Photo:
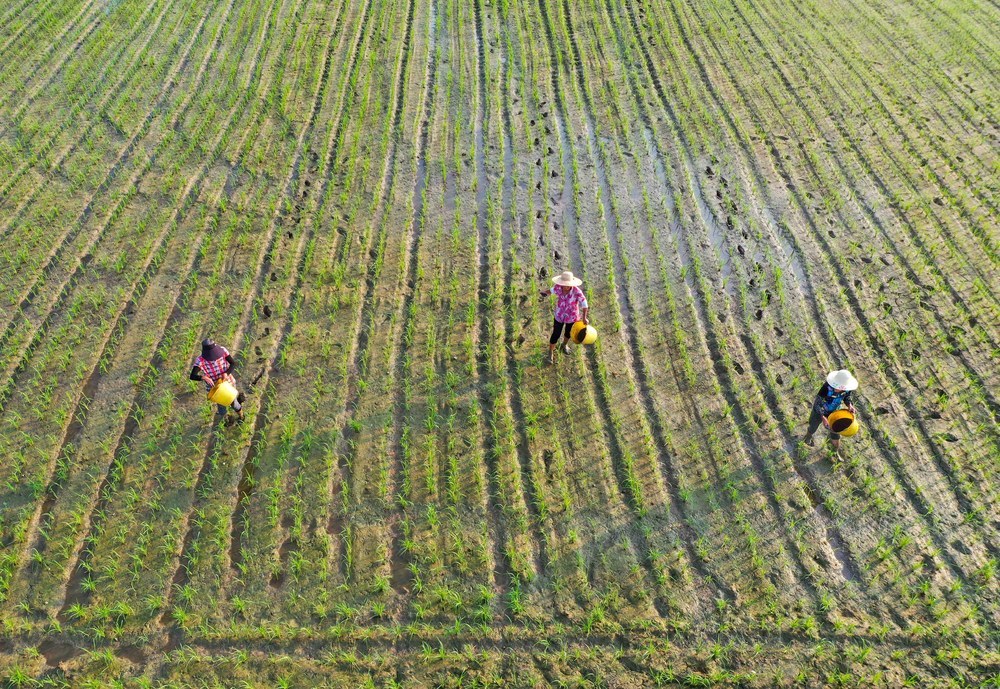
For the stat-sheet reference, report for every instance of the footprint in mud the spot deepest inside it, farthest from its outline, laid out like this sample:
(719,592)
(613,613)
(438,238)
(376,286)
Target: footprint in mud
(274,277)
(547,457)
(267,311)
(739,368)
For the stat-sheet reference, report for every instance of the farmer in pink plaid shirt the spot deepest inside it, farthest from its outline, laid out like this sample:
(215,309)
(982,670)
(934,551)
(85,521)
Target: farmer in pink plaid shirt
(214,364)
(571,306)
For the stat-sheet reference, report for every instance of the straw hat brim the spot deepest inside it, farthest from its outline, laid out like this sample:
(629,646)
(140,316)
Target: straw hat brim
(842,380)
(575,282)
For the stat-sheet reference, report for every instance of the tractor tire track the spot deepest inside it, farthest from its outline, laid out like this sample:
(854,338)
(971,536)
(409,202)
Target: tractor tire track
(618,453)
(530,486)
(401,577)
(505,577)
(365,311)
(248,471)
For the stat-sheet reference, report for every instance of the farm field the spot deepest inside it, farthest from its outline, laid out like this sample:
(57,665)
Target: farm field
(362,199)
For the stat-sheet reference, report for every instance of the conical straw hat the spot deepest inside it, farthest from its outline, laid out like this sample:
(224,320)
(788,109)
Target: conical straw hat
(567,279)
(842,380)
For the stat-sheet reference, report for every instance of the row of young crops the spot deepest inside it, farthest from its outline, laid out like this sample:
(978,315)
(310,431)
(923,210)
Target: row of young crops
(362,198)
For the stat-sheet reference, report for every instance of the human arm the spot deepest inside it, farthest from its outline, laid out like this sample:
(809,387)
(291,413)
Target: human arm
(232,363)
(198,375)
(849,401)
(584,306)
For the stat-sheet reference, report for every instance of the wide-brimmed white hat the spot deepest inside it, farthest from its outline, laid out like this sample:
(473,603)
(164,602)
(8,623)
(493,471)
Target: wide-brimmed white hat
(842,380)
(567,279)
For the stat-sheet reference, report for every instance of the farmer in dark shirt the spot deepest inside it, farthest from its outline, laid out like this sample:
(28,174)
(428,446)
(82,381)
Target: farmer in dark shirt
(836,392)
(214,364)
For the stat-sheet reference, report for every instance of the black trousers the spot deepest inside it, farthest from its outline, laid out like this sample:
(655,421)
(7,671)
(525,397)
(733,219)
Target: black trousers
(556,328)
(815,419)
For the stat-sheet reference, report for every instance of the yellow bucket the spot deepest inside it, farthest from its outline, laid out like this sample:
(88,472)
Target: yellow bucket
(843,422)
(583,334)
(223,392)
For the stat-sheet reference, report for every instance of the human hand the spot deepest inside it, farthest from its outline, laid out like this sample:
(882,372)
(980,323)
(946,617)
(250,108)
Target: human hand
(826,423)
(851,408)
(586,321)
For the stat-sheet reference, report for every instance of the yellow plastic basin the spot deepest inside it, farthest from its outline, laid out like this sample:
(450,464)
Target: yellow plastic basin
(223,392)
(843,422)
(583,334)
